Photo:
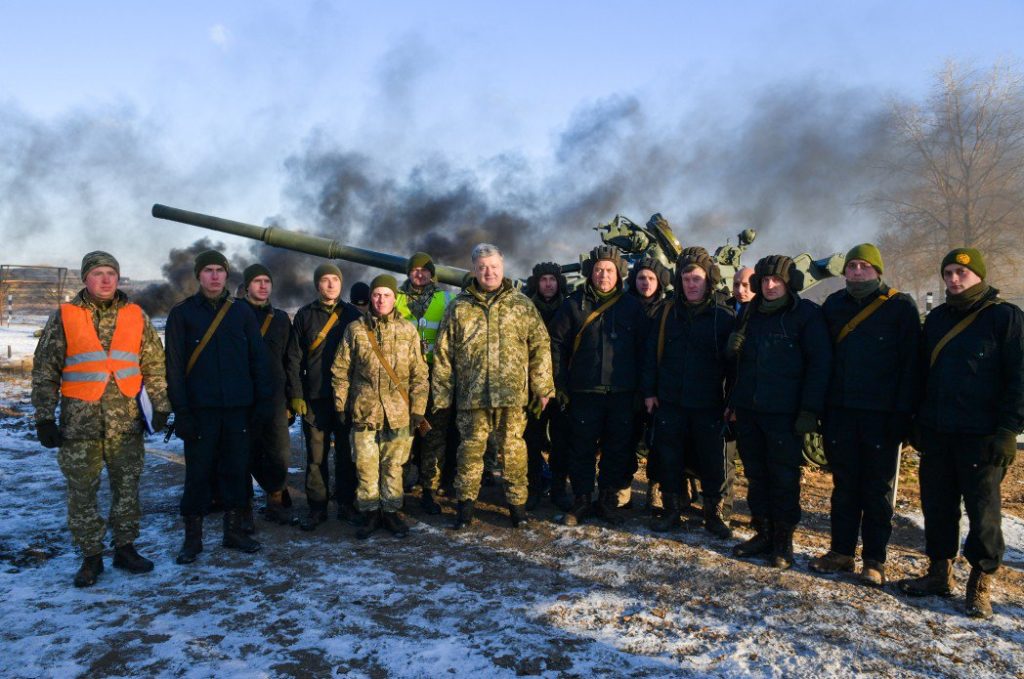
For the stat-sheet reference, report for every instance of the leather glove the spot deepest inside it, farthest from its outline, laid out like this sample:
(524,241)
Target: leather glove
(806,422)
(185,427)
(298,406)
(563,398)
(1003,447)
(48,433)
(734,345)
(159,421)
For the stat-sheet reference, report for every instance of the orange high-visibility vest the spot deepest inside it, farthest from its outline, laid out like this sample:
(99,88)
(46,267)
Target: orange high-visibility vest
(87,367)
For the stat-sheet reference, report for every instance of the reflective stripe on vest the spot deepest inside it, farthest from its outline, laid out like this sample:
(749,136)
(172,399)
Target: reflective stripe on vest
(87,367)
(431,321)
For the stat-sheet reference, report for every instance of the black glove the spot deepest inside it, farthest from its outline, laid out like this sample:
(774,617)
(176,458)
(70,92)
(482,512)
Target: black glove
(1003,447)
(185,426)
(159,421)
(806,422)
(734,345)
(48,433)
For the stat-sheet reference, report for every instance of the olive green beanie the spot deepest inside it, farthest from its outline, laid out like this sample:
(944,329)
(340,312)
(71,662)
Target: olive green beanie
(254,270)
(421,259)
(969,258)
(210,257)
(325,269)
(867,252)
(384,281)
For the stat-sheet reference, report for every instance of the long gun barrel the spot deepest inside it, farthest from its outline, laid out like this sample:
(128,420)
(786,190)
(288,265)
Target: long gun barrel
(301,242)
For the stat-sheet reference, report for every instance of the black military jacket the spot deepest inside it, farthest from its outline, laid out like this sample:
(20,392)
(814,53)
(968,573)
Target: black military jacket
(315,366)
(875,367)
(786,359)
(977,382)
(693,367)
(282,354)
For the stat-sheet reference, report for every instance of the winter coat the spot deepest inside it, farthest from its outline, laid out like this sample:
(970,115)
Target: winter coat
(315,366)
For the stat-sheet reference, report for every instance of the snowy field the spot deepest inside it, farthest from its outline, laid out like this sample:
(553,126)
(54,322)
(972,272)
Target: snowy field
(489,602)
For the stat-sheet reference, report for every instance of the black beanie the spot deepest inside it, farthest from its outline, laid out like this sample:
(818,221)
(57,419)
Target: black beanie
(325,269)
(205,259)
(360,293)
(254,270)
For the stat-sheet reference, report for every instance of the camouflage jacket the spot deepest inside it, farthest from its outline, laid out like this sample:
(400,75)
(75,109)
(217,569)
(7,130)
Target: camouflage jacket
(492,351)
(114,414)
(362,385)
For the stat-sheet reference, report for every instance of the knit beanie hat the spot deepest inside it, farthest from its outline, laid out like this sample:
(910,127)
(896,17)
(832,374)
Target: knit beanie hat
(420,259)
(254,270)
(969,258)
(384,281)
(867,252)
(99,258)
(208,258)
(360,293)
(325,269)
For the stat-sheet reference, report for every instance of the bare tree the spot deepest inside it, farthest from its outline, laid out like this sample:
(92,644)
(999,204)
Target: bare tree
(956,178)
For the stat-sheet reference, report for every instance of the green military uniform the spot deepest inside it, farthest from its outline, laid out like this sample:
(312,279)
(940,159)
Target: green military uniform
(493,352)
(424,308)
(97,433)
(377,408)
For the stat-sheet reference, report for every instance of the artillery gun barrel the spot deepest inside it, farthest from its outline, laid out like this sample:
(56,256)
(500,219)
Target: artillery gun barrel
(301,242)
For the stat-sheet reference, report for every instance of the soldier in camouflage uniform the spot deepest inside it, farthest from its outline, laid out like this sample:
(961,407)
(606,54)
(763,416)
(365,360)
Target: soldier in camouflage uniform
(493,352)
(382,414)
(100,421)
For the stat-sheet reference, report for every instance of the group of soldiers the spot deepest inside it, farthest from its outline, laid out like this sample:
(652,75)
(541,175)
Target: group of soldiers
(636,358)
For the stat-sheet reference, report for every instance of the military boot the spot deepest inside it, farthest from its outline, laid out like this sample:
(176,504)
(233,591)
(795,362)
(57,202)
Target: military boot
(463,515)
(873,573)
(672,507)
(760,543)
(714,522)
(533,501)
(234,536)
(782,545)
(938,580)
(393,522)
(315,515)
(978,586)
(582,507)
(89,571)
(370,524)
(518,515)
(276,510)
(248,522)
(193,540)
(348,513)
(127,559)
(832,562)
(607,507)
(560,497)
(428,504)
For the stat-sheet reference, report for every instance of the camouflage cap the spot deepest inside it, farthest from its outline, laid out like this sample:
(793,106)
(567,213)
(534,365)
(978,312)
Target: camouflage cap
(99,258)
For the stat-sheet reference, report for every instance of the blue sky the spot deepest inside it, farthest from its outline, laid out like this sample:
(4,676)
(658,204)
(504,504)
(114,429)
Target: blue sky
(216,97)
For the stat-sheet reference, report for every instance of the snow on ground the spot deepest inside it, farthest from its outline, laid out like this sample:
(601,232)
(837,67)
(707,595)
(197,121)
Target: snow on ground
(490,602)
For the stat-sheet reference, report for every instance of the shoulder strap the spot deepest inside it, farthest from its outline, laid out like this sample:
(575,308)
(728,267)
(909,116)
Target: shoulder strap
(387,366)
(863,314)
(661,328)
(322,335)
(266,323)
(208,335)
(594,315)
(957,329)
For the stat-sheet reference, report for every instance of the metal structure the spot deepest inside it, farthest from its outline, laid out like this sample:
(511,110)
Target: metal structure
(30,289)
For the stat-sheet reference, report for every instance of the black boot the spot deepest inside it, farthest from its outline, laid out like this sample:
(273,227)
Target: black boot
(127,559)
(348,513)
(371,524)
(581,508)
(518,515)
(277,511)
(782,546)
(607,507)
(937,581)
(463,515)
(89,571)
(234,536)
(533,501)
(393,522)
(428,504)
(671,508)
(761,543)
(248,523)
(560,497)
(315,515)
(714,521)
(193,540)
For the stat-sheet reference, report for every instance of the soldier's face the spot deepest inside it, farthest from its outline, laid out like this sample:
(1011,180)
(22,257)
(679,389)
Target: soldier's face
(382,300)
(101,282)
(605,275)
(695,284)
(329,286)
(958,278)
(858,271)
(420,276)
(772,287)
(646,283)
(489,272)
(259,289)
(547,286)
(212,279)
(741,286)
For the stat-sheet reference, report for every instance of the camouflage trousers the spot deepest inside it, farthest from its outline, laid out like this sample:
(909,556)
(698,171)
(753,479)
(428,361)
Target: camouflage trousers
(432,449)
(379,455)
(82,463)
(506,425)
